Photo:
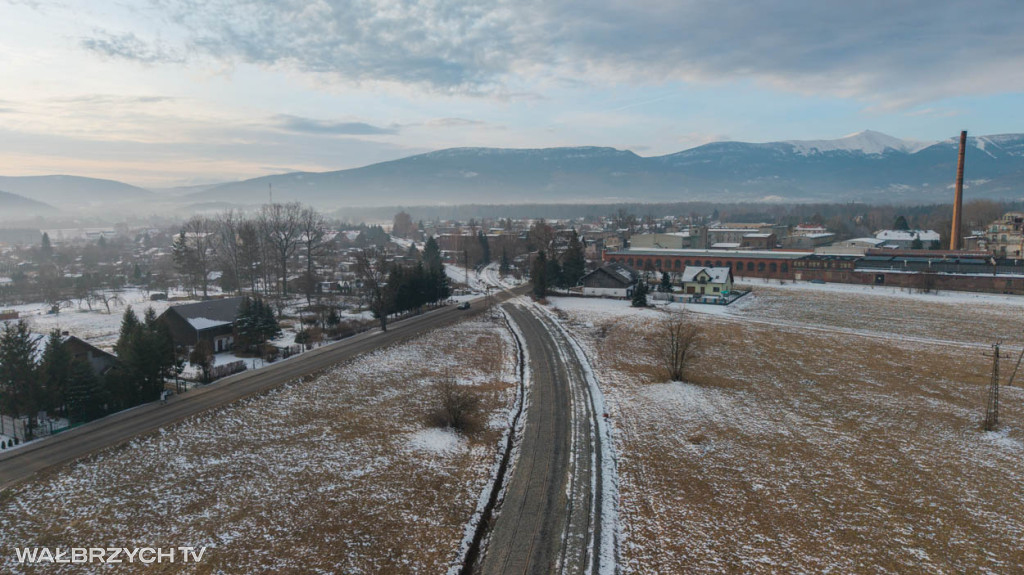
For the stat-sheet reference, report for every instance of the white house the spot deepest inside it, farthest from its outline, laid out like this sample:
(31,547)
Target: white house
(706,281)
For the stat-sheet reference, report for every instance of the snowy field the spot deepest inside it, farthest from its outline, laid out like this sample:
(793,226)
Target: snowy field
(820,441)
(96,326)
(337,473)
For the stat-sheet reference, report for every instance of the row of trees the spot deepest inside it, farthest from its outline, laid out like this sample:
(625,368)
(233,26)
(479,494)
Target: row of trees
(393,288)
(560,271)
(257,252)
(40,374)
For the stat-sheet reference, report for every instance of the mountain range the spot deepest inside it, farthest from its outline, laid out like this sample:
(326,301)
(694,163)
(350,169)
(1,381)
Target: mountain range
(13,205)
(866,167)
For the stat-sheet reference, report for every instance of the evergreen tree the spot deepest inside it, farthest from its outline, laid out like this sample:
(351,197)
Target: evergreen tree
(666,282)
(146,358)
(574,264)
(19,382)
(539,275)
(55,374)
(900,223)
(46,249)
(504,268)
(332,318)
(917,244)
(485,248)
(432,256)
(553,274)
(86,393)
(268,326)
(245,324)
(640,294)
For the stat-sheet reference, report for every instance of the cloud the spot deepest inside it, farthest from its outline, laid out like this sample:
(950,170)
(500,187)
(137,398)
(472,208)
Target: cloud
(131,47)
(319,127)
(892,54)
(453,122)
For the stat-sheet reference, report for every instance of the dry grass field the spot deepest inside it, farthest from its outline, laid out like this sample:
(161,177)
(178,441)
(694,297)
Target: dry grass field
(843,438)
(335,474)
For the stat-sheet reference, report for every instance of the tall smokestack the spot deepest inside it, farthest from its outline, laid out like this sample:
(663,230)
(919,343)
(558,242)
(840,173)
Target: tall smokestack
(958,200)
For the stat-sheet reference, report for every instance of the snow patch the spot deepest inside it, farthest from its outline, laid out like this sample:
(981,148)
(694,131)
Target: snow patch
(440,441)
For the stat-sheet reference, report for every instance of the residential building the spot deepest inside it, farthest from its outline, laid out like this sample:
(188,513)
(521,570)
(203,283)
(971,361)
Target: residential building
(609,280)
(211,320)
(699,280)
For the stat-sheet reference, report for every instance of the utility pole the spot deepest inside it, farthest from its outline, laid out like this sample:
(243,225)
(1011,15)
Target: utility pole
(992,399)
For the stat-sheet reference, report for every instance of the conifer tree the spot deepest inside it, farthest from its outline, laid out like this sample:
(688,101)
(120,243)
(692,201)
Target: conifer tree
(55,373)
(19,382)
(86,393)
(574,262)
(504,268)
(539,275)
(640,294)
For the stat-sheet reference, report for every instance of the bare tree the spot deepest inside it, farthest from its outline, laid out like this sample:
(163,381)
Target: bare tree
(314,230)
(228,246)
(281,226)
(193,252)
(371,268)
(106,298)
(678,339)
(250,251)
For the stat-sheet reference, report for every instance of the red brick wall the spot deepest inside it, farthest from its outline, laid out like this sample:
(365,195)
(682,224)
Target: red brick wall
(758,267)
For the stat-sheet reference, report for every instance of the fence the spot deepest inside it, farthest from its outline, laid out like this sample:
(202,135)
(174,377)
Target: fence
(227,369)
(18,427)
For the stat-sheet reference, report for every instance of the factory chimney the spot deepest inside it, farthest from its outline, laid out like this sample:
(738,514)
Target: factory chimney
(955,238)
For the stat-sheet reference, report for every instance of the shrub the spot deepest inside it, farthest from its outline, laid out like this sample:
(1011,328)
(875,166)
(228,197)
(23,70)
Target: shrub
(455,406)
(269,353)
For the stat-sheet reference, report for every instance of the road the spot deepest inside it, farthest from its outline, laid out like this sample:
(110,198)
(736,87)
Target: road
(547,520)
(22,463)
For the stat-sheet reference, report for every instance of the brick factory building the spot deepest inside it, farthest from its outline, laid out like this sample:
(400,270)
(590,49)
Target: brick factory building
(774,264)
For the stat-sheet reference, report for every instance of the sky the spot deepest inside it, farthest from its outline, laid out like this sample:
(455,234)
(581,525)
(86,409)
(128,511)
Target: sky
(163,93)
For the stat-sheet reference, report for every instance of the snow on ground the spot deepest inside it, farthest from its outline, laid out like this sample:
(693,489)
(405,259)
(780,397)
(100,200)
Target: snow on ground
(439,441)
(458,275)
(492,277)
(97,326)
(315,477)
(944,318)
(942,296)
(803,447)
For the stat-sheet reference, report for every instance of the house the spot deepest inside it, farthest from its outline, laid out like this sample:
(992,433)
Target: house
(212,320)
(100,361)
(703,280)
(609,280)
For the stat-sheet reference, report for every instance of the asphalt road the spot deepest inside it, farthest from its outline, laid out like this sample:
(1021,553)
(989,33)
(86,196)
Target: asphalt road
(22,463)
(546,521)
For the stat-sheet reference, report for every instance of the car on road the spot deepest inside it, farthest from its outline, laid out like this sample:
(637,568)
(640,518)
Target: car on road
(464,305)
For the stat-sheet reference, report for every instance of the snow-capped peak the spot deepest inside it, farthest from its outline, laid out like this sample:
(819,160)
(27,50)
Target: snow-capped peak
(867,142)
